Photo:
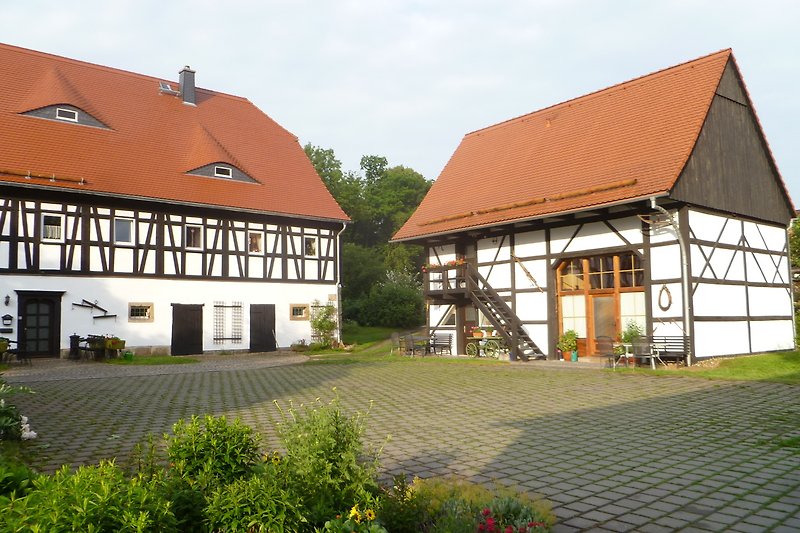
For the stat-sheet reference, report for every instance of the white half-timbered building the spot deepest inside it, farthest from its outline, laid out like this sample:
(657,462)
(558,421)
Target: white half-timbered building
(655,201)
(177,218)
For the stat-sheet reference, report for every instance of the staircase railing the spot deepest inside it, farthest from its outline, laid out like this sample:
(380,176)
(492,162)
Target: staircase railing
(500,315)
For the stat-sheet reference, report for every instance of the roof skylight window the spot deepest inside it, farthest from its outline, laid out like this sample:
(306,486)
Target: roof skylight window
(223,172)
(66,114)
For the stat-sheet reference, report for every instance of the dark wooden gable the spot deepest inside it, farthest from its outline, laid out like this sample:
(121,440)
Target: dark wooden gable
(730,168)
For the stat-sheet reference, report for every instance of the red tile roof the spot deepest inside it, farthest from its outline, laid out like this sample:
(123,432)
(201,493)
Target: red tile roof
(153,141)
(626,142)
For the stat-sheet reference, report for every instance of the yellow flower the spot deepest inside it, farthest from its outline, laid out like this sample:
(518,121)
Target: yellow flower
(355,514)
(369,514)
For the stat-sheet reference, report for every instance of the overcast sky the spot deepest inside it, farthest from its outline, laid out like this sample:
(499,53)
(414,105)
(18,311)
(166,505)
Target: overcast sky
(407,79)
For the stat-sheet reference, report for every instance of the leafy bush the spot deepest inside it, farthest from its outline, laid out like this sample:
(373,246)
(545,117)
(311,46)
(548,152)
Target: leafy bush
(258,503)
(211,451)
(456,505)
(11,422)
(94,498)
(397,301)
(324,463)
(403,509)
(15,477)
(323,323)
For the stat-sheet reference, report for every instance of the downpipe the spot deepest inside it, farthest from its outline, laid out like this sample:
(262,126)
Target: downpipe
(684,273)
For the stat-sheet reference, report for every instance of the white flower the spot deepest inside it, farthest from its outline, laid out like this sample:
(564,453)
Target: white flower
(27,435)
(23,420)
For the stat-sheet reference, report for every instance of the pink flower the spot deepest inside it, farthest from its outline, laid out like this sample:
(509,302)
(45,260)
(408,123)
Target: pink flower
(486,511)
(509,529)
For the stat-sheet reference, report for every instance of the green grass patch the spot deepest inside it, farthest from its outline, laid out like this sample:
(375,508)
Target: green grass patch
(778,367)
(153,360)
(353,334)
(381,352)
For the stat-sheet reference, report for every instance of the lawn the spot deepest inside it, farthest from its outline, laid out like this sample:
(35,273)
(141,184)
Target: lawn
(778,367)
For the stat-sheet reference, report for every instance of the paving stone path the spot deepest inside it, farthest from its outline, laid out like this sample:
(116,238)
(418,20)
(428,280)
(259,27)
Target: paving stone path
(611,451)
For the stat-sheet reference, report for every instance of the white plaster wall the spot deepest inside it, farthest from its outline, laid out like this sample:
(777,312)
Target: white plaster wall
(672,328)
(437,313)
(446,252)
(114,294)
(674,310)
(532,306)
(491,250)
(772,335)
(665,262)
(719,300)
(767,268)
(498,276)
(538,334)
(537,268)
(765,237)
(720,338)
(770,301)
(630,228)
(590,237)
(529,244)
(708,227)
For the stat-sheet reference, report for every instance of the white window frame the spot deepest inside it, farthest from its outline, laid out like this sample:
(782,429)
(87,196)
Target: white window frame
(61,227)
(149,316)
(186,229)
(132,227)
(313,239)
(73,114)
(221,171)
(306,314)
(261,242)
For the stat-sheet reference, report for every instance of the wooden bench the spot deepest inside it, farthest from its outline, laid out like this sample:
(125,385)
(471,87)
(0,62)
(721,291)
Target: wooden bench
(441,342)
(671,347)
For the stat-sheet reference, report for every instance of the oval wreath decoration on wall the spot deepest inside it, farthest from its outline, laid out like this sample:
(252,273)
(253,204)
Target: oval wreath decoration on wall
(664,292)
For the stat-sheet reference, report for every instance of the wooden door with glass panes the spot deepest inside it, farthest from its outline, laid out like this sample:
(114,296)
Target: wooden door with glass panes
(598,295)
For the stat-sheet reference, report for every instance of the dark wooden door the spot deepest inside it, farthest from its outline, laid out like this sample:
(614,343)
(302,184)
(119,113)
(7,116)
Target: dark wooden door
(262,328)
(187,329)
(40,324)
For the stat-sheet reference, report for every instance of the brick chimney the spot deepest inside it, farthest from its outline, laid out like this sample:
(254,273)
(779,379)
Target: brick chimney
(187,86)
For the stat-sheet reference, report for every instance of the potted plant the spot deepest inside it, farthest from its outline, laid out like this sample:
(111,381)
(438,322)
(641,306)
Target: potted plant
(568,344)
(477,332)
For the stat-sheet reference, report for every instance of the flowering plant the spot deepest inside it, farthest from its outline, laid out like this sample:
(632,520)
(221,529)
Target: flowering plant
(490,524)
(356,521)
(452,263)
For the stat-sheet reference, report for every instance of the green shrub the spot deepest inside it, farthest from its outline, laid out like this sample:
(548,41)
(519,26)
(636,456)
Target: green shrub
(403,509)
(323,323)
(456,505)
(15,477)
(211,451)
(255,504)
(94,499)
(10,419)
(396,301)
(324,460)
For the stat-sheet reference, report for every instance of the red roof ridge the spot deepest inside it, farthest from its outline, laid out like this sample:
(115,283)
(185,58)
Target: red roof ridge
(105,68)
(610,88)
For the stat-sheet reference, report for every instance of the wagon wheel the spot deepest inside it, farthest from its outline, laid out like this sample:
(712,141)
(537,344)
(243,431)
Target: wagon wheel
(472,349)
(491,349)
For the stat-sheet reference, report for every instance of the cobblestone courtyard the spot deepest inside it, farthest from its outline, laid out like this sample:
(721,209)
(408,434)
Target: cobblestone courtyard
(611,451)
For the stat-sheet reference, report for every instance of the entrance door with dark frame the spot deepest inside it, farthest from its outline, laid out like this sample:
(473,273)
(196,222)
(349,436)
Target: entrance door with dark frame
(39,323)
(187,329)
(262,328)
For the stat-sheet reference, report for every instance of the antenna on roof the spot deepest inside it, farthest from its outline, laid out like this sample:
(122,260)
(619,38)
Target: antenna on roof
(166,88)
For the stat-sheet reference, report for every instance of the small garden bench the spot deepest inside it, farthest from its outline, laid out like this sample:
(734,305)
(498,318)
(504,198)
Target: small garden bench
(441,342)
(671,347)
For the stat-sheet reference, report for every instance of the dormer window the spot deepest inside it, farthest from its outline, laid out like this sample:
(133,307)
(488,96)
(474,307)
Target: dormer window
(66,114)
(223,172)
